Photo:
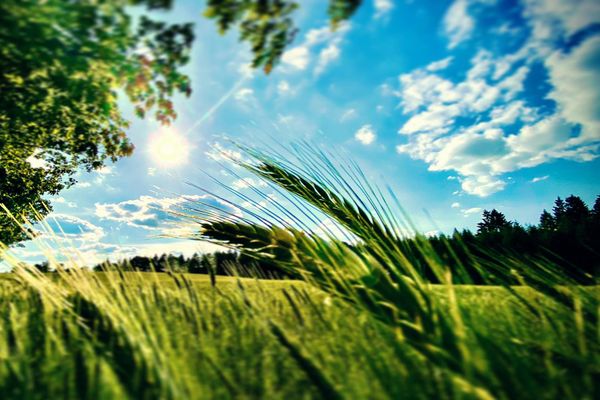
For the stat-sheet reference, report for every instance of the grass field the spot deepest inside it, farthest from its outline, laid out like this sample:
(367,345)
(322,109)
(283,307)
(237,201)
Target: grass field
(360,320)
(141,335)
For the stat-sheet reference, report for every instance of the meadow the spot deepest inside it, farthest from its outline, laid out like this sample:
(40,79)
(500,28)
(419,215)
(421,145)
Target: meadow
(142,335)
(333,291)
(356,319)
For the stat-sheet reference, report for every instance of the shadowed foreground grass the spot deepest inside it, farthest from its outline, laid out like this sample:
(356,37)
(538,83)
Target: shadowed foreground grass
(140,335)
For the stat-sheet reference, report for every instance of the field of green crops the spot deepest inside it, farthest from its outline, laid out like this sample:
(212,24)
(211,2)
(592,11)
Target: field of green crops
(360,320)
(144,336)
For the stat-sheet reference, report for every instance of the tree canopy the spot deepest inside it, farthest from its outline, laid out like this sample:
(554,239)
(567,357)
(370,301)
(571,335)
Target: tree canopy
(493,221)
(267,24)
(64,64)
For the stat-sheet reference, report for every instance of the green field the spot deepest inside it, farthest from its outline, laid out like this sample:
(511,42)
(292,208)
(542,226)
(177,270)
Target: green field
(143,335)
(362,318)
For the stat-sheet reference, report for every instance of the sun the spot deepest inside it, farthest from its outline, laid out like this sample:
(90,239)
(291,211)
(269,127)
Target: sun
(168,148)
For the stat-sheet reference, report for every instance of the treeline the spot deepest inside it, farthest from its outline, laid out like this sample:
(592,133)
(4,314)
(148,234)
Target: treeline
(568,236)
(217,263)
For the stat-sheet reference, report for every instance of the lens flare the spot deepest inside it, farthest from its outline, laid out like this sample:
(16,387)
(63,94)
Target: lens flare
(168,148)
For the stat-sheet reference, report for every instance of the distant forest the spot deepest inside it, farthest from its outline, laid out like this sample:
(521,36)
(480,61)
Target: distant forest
(568,236)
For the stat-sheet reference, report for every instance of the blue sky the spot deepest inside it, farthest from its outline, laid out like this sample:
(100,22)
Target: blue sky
(457,105)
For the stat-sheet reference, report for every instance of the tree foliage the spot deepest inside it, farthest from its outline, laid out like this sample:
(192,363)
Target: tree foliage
(64,64)
(568,237)
(216,263)
(267,24)
(493,221)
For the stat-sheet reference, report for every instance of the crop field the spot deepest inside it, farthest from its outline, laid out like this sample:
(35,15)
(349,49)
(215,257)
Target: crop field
(144,335)
(359,318)
(335,200)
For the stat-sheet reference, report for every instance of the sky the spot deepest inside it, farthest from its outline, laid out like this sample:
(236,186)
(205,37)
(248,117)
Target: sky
(458,106)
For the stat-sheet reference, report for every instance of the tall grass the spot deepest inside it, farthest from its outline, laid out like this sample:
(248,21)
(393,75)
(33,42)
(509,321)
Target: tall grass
(359,320)
(376,276)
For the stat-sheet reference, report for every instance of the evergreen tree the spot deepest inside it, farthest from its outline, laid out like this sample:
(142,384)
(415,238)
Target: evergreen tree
(576,211)
(493,221)
(596,209)
(195,265)
(595,222)
(207,261)
(558,210)
(140,263)
(547,221)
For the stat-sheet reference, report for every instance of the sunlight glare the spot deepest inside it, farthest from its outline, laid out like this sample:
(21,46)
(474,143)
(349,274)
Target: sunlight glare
(168,148)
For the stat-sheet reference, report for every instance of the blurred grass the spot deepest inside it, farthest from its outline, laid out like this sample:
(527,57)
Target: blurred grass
(145,335)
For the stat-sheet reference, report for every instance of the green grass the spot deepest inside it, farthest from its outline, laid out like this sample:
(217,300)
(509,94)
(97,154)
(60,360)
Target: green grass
(141,335)
(357,321)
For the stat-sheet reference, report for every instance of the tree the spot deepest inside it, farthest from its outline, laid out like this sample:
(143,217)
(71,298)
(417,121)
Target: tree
(547,221)
(558,210)
(596,209)
(195,266)
(595,222)
(576,211)
(140,263)
(63,64)
(492,221)
(267,25)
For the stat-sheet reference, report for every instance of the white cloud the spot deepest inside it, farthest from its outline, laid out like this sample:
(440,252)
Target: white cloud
(59,225)
(383,8)
(298,57)
(458,23)
(36,162)
(471,211)
(151,171)
(246,70)
(540,178)
(366,135)
(575,77)
(284,88)
(551,19)
(327,56)
(222,154)
(440,64)
(285,119)
(106,170)
(92,253)
(432,233)
(325,41)
(507,134)
(246,183)
(348,115)
(483,185)
(244,95)
(318,36)
(455,205)
(153,213)
(330,229)
(185,247)
(62,200)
